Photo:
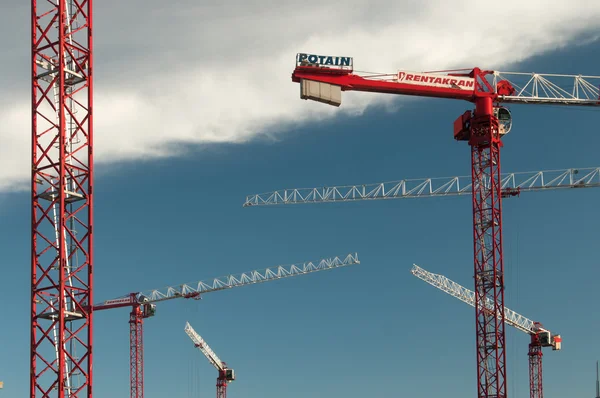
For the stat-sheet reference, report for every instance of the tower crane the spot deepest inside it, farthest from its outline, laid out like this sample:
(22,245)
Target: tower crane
(322,78)
(143,303)
(226,375)
(540,337)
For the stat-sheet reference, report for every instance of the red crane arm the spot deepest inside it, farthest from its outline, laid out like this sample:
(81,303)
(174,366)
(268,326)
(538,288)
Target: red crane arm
(323,78)
(463,86)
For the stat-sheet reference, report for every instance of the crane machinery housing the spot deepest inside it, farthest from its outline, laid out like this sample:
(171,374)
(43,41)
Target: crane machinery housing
(142,303)
(226,374)
(540,337)
(323,78)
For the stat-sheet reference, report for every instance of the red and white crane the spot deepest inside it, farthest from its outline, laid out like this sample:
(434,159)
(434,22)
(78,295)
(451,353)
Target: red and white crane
(323,78)
(540,337)
(142,303)
(226,375)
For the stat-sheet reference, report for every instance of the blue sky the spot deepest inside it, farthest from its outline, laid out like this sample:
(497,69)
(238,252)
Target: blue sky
(366,330)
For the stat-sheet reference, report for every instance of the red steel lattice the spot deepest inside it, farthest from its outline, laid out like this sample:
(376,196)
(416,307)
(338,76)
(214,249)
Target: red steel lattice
(535,368)
(489,272)
(136,356)
(61,186)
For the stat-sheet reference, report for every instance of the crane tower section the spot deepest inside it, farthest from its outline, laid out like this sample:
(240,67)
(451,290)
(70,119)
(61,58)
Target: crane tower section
(61,189)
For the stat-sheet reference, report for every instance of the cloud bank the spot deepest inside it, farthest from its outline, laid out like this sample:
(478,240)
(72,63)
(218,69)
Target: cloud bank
(179,73)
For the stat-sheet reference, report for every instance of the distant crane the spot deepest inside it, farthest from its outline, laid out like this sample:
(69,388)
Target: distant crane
(323,78)
(143,307)
(226,375)
(540,337)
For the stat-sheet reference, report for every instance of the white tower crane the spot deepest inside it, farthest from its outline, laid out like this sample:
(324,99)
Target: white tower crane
(226,375)
(540,337)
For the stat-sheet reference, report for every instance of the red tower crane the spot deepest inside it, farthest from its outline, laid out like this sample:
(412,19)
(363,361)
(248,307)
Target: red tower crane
(61,199)
(143,303)
(323,78)
(226,375)
(540,337)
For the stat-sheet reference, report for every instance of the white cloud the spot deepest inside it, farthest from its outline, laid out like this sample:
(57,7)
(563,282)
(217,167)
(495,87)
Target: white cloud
(221,72)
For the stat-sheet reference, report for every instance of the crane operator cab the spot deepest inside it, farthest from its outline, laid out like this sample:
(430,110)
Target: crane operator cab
(504,119)
(229,375)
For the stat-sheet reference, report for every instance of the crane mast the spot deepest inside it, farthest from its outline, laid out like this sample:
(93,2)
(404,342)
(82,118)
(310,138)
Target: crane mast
(142,303)
(323,78)
(62,200)
(540,337)
(225,374)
